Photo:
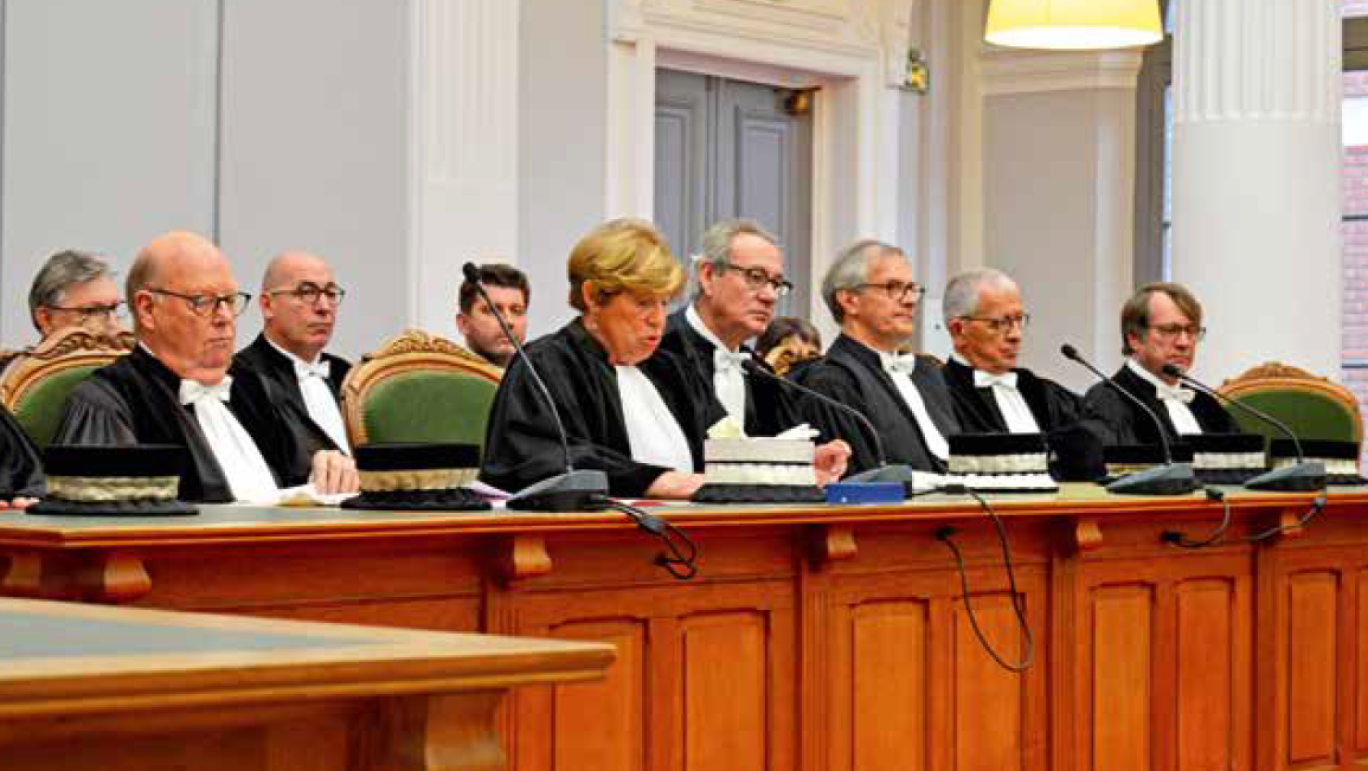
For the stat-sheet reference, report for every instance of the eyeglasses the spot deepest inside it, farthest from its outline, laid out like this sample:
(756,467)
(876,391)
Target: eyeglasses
(757,279)
(897,290)
(207,304)
(998,326)
(311,293)
(116,310)
(1170,331)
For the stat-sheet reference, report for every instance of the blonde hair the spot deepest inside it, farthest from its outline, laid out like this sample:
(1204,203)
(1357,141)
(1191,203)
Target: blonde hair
(623,255)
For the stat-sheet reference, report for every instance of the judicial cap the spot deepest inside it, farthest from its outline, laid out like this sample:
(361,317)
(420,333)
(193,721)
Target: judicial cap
(413,476)
(103,480)
(1341,459)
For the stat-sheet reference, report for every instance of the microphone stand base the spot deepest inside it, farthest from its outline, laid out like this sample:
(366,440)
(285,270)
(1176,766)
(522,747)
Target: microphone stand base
(900,473)
(1300,478)
(1169,479)
(579,490)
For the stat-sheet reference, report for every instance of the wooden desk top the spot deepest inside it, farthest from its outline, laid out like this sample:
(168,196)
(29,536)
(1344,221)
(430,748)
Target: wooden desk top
(234,523)
(66,658)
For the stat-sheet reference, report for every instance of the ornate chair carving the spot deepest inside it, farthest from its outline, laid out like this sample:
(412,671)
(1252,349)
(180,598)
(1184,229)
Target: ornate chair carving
(36,384)
(419,388)
(1312,406)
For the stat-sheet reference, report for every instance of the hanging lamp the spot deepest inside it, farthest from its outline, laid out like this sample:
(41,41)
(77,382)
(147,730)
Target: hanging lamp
(1073,24)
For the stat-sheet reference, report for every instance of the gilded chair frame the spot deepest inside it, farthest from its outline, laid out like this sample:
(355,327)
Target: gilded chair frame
(66,349)
(1277,376)
(414,350)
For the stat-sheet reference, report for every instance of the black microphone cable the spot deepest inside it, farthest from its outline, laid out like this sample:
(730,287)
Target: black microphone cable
(1317,505)
(1215,538)
(680,551)
(943,535)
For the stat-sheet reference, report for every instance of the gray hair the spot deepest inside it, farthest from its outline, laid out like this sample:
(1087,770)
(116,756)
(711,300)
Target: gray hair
(62,271)
(717,244)
(962,293)
(851,269)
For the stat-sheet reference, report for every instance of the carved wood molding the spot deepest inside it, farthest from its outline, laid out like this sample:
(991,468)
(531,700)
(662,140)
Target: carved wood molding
(524,556)
(66,349)
(95,577)
(834,543)
(1087,534)
(1277,376)
(114,577)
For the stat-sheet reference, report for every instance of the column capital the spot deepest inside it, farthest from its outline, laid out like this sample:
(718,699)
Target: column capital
(1030,72)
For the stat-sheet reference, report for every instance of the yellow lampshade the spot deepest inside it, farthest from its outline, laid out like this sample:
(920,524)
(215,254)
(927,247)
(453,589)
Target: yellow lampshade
(1073,24)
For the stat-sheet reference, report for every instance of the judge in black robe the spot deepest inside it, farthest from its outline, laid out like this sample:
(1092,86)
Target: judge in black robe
(136,400)
(1052,405)
(21,472)
(522,445)
(852,373)
(266,374)
(770,406)
(1123,423)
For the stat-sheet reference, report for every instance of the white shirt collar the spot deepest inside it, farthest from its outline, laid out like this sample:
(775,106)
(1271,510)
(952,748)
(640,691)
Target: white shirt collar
(696,321)
(1146,375)
(291,356)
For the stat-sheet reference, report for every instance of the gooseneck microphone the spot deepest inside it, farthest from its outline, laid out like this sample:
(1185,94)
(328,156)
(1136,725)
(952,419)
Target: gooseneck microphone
(883,472)
(1168,479)
(574,490)
(1301,477)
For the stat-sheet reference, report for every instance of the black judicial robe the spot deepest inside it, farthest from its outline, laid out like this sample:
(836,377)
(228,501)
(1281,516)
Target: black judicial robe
(21,472)
(1053,406)
(265,373)
(770,407)
(521,443)
(1120,422)
(136,400)
(851,373)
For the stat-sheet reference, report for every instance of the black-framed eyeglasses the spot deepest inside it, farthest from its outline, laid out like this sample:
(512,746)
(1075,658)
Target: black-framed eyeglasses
(757,279)
(311,293)
(1002,324)
(207,304)
(117,310)
(1171,331)
(897,290)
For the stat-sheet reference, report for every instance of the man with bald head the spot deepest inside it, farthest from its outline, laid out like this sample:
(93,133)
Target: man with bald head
(174,387)
(287,364)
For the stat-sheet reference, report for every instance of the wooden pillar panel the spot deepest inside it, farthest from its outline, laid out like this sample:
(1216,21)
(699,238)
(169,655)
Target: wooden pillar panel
(1212,688)
(990,702)
(1120,638)
(725,674)
(1361,666)
(1312,675)
(601,725)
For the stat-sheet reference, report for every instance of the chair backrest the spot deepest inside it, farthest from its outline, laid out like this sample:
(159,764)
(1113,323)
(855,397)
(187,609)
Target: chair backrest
(37,382)
(419,388)
(1312,406)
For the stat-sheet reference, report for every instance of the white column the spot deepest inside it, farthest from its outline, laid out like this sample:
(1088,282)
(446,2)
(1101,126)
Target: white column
(464,163)
(1256,149)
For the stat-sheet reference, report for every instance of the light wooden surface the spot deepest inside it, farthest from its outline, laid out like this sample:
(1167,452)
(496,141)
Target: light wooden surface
(85,686)
(824,638)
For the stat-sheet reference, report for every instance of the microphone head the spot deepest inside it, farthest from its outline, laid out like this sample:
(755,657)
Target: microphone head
(472,273)
(1069,351)
(1172,370)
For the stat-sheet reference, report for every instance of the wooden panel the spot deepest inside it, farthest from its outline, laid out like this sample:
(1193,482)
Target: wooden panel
(886,684)
(988,702)
(725,674)
(1311,675)
(1122,673)
(1206,674)
(1361,656)
(598,725)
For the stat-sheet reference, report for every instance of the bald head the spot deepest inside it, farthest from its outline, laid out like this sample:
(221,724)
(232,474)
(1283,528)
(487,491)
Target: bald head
(299,301)
(178,251)
(284,266)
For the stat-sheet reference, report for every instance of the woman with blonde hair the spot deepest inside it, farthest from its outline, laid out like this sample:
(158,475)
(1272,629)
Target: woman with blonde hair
(632,412)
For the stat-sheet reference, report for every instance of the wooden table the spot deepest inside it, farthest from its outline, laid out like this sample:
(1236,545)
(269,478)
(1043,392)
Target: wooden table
(824,638)
(86,687)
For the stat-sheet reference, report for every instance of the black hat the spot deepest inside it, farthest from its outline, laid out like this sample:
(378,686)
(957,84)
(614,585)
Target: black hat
(1123,459)
(1341,459)
(417,477)
(1227,459)
(758,470)
(1002,462)
(105,480)
(1076,454)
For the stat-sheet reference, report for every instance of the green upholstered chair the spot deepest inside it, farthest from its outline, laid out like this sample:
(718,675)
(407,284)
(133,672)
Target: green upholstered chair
(419,388)
(37,382)
(1312,406)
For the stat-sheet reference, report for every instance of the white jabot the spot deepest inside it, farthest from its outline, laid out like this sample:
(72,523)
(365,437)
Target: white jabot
(729,379)
(1174,398)
(1010,402)
(318,397)
(248,475)
(652,431)
(900,367)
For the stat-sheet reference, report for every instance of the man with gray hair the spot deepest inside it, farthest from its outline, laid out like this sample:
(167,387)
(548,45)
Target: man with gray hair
(75,289)
(739,278)
(987,322)
(872,295)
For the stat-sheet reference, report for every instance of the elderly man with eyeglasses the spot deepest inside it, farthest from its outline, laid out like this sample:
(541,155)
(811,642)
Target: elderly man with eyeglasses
(174,388)
(1160,324)
(75,289)
(987,323)
(871,293)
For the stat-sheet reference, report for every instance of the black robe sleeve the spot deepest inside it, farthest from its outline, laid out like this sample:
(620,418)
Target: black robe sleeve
(21,473)
(833,423)
(522,445)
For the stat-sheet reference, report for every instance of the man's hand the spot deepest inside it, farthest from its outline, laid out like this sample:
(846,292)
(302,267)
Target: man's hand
(333,472)
(830,461)
(17,504)
(675,485)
